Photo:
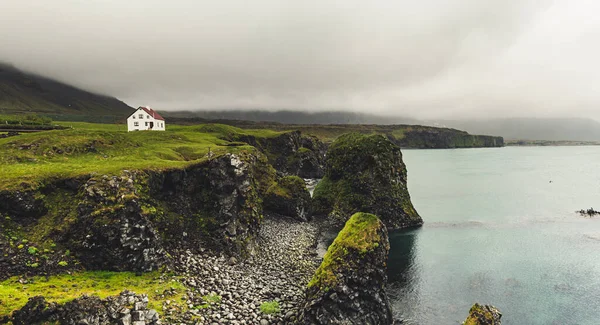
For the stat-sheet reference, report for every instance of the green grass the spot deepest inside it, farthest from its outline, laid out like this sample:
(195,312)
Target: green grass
(88,148)
(270,307)
(65,287)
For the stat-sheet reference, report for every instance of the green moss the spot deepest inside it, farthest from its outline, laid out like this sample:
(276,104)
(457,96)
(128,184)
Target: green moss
(286,186)
(270,307)
(359,236)
(63,288)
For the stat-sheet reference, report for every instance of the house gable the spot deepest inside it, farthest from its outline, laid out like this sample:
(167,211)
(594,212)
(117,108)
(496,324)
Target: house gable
(145,118)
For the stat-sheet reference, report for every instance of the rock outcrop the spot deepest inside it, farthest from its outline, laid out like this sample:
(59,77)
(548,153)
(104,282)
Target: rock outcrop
(483,315)
(349,286)
(365,173)
(127,308)
(289,197)
(112,231)
(292,153)
(129,222)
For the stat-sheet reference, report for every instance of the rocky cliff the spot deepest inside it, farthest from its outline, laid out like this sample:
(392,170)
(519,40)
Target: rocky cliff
(348,287)
(129,222)
(291,153)
(441,138)
(289,197)
(365,173)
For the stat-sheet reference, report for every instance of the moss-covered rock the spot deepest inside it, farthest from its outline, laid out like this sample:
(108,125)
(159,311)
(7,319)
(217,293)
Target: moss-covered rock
(289,197)
(291,153)
(349,285)
(483,315)
(365,173)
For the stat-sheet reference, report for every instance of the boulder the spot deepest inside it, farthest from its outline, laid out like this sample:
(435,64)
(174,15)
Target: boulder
(365,173)
(289,197)
(349,285)
(483,315)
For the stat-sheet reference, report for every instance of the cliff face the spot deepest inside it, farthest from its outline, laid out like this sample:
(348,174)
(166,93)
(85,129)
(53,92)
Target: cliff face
(365,173)
(349,286)
(129,222)
(289,197)
(433,138)
(292,153)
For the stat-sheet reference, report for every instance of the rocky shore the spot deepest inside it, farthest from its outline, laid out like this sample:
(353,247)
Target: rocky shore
(279,272)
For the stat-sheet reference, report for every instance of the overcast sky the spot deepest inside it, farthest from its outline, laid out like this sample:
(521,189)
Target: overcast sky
(425,59)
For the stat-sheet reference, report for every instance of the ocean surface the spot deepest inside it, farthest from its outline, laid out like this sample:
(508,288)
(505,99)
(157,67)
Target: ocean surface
(501,229)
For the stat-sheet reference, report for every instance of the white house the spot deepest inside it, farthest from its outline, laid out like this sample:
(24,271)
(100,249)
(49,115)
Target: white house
(145,118)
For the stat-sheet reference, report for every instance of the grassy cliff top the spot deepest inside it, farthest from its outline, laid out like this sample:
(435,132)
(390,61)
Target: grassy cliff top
(359,236)
(87,148)
(66,287)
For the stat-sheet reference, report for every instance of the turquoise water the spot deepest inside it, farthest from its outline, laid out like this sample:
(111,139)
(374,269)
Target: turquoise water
(500,229)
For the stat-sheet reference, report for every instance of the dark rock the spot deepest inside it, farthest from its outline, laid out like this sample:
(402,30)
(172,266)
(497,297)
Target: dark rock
(349,286)
(24,204)
(483,315)
(289,197)
(35,311)
(292,153)
(112,232)
(365,173)
(588,213)
(219,202)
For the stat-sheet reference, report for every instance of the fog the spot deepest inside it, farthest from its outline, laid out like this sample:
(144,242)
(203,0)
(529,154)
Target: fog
(423,59)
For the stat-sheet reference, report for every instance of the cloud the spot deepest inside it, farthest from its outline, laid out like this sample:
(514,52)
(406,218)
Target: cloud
(427,59)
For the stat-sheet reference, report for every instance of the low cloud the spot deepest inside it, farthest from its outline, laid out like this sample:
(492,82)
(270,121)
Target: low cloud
(426,59)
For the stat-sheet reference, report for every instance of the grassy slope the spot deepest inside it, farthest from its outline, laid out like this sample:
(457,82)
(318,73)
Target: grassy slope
(35,158)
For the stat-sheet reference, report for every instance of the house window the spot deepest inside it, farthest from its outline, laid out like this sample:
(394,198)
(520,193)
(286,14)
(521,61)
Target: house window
(136,123)
(147,116)
(133,116)
(146,124)
(141,116)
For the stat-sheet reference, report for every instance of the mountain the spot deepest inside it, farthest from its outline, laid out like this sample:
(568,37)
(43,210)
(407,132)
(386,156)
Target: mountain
(553,129)
(22,92)
(293,117)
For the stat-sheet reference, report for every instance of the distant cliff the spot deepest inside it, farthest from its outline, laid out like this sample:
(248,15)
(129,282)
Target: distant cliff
(405,136)
(429,137)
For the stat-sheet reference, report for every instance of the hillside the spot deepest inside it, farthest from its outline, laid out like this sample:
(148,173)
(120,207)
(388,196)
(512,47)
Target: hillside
(294,117)
(22,92)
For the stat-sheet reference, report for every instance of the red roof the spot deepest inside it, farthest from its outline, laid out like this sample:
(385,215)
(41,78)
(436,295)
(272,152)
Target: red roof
(152,113)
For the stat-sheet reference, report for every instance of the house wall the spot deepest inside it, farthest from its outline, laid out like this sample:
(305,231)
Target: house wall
(145,118)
